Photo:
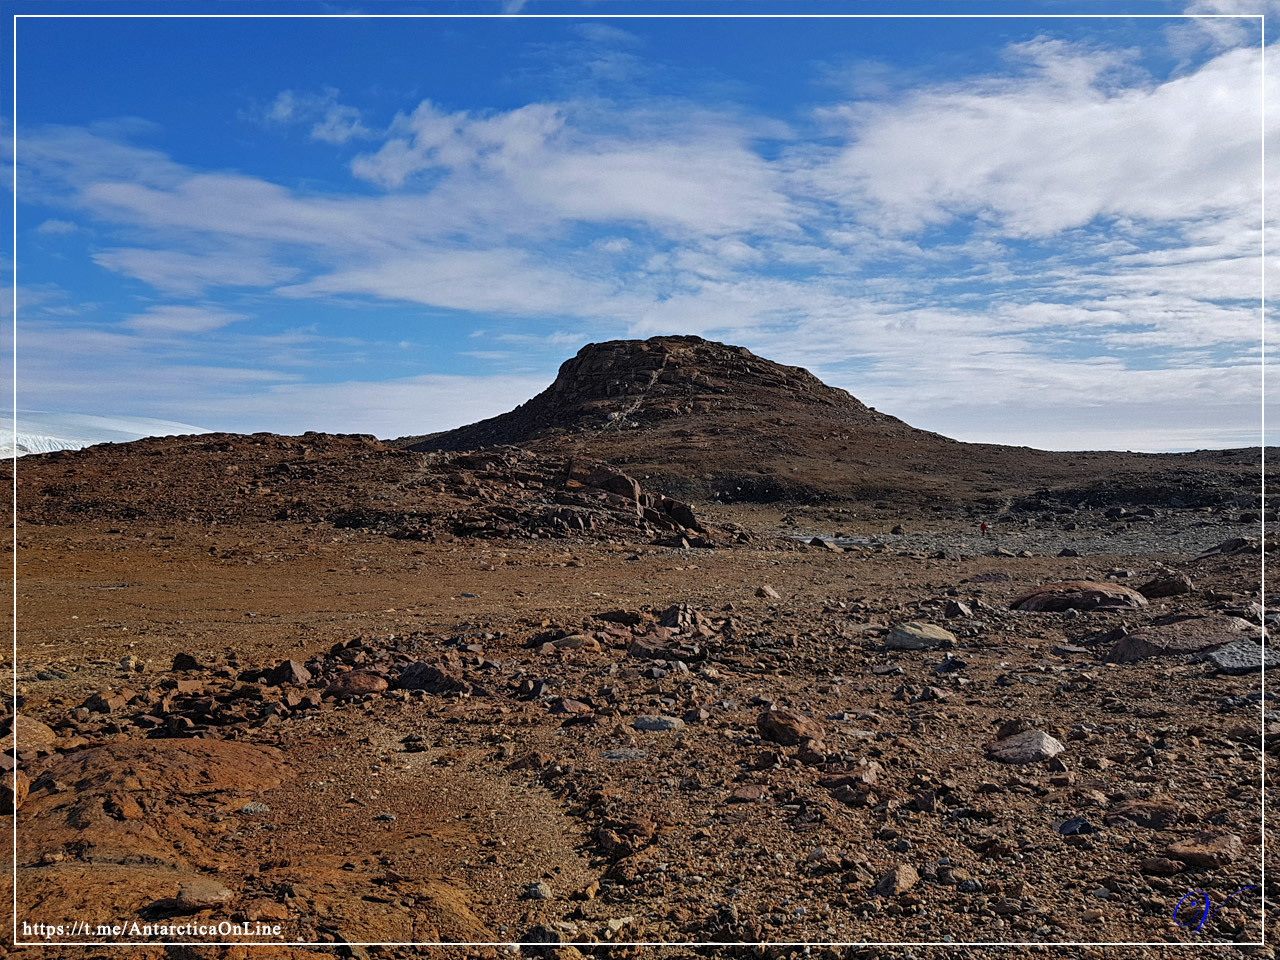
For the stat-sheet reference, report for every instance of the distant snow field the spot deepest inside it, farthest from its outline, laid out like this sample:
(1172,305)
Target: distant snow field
(40,432)
(24,443)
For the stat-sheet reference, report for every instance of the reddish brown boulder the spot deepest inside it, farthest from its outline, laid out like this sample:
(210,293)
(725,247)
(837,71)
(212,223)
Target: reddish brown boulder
(898,880)
(357,682)
(289,672)
(812,753)
(1078,595)
(567,705)
(265,909)
(1155,813)
(185,661)
(30,735)
(681,617)
(1167,584)
(122,807)
(1207,850)
(98,820)
(201,893)
(853,788)
(1228,547)
(787,727)
(444,677)
(575,641)
(105,701)
(682,514)
(616,483)
(1189,635)
(16,786)
(533,760)
(624,837)
(182,767)
(645,648)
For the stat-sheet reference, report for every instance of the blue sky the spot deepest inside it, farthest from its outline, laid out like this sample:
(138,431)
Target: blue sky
(1015,229)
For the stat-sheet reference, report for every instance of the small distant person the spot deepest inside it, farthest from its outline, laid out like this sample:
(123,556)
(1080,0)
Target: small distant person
(983,527)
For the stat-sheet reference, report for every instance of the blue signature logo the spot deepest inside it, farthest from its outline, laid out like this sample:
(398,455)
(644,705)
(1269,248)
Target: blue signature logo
(1203,904)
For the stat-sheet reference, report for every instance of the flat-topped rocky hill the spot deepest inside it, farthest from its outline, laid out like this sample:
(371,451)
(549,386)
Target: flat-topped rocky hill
(684,417)
(707,420)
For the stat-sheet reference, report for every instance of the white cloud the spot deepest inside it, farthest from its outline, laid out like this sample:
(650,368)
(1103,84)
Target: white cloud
(338,125)
(428,139)
(91,428)
(181,319)
(57,158)
(683,176)
(1207,280)
(176,272)
(711,187)
(56,227)
(135,372)
(1219,25)
(970,378)
(1056,148)
(606,34)
(331,121)
(48,299)
(564,339)
(282,107)
(501,281)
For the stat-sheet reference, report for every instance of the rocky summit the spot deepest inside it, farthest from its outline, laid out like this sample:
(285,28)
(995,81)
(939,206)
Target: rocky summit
(691,648)
(628,384)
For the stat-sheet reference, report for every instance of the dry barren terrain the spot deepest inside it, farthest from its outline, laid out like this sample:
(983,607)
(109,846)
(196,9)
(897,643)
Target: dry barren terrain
(589,687)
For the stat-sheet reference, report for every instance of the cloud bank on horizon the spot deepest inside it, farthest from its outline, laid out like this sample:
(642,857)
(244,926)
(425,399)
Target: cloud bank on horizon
(1034,231)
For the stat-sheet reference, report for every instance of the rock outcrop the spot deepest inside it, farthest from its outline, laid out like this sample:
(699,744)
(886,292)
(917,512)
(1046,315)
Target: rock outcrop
(622,384)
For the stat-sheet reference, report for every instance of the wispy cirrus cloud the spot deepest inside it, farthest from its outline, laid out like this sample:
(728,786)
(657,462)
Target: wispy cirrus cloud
(477,281)
(54,227)
(182,273)
(695,175)
(181,319)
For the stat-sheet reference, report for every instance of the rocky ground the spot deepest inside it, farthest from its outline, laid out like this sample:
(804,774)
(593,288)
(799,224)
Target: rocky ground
(578,735)
(708,653)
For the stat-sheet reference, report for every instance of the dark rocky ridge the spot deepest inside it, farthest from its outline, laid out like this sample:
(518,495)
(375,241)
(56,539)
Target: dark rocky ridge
(688,419)
(350,482)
